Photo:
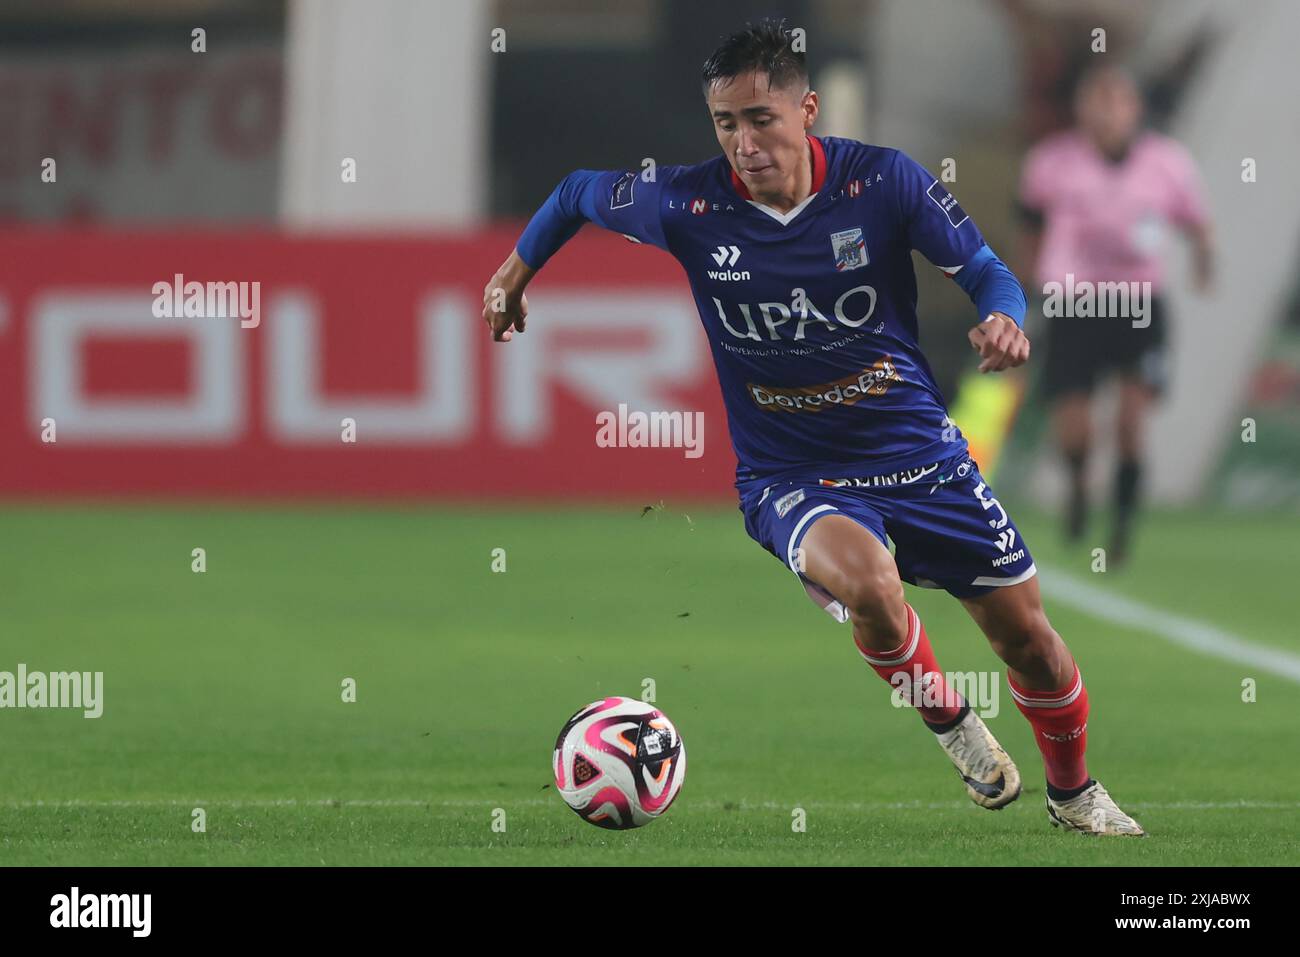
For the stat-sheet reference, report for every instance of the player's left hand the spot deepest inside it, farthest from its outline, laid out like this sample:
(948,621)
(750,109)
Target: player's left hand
(1000,342)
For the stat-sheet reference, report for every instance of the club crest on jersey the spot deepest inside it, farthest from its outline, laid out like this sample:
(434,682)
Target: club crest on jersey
(850,249)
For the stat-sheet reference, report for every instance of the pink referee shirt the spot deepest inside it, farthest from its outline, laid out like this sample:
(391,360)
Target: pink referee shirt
(1109,222)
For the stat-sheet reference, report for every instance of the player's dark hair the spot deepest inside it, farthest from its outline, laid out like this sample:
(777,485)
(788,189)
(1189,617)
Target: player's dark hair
(764,47)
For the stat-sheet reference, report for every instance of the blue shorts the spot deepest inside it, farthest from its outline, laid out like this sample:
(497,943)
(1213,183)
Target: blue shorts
(948,530)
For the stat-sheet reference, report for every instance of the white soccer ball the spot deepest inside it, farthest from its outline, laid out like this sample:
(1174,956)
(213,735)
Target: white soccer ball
(619,763)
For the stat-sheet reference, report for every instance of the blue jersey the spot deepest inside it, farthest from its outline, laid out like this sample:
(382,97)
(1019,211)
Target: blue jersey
(810,314)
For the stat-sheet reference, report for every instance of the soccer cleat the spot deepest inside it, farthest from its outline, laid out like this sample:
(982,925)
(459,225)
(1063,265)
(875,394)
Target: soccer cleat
(991,777)
(1093,812)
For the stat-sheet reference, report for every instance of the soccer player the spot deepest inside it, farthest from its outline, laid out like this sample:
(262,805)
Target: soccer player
(1096,201)
(798,252)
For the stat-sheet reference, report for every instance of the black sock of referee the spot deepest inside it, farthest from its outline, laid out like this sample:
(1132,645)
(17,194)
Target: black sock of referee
(1076,516)
(1128,478)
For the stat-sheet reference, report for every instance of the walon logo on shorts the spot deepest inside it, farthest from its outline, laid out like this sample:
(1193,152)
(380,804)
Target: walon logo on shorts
(813,398)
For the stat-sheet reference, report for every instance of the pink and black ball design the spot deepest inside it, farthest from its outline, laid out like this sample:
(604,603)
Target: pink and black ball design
(619,763)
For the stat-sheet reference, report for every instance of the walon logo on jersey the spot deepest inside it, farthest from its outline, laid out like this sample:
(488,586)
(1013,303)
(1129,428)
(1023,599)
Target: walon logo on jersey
(813,398)
(727,256)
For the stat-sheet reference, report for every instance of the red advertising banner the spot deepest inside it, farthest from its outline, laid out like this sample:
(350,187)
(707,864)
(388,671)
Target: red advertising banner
(263,364)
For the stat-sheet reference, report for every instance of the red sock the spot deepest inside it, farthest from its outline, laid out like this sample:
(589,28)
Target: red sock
(918,673)
(1060,722)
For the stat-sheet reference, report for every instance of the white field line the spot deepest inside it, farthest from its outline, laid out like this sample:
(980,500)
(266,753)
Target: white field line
(1190,633)
(274,803)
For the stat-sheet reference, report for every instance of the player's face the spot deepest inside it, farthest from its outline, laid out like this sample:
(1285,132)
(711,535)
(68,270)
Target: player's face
(762,131)
(1109,110)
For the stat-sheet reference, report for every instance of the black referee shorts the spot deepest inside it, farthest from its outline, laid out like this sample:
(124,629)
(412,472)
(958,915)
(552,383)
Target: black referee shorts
(1081,351)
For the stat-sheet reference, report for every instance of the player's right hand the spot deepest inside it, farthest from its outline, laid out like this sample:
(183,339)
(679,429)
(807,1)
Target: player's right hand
(505,307)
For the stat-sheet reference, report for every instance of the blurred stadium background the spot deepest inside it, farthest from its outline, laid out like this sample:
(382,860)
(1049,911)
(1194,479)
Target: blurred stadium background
(373,558)
(226,164)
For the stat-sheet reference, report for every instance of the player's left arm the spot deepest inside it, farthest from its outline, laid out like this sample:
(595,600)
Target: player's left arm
(940,229)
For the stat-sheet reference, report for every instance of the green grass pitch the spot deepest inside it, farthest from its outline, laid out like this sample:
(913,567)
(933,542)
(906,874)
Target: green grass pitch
(223,692)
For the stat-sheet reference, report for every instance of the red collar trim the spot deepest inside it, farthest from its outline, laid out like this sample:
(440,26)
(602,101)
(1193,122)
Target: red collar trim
(818,170)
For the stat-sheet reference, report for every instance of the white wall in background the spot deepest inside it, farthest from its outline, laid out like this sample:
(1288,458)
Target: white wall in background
(401,86)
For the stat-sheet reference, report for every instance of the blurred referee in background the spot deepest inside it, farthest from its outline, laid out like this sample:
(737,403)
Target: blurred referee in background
(1097,201)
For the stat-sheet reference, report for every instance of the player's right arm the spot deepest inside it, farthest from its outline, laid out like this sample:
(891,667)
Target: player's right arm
(505,307)
(623,201)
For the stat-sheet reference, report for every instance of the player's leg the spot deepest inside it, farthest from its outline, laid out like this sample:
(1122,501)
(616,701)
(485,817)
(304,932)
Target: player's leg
(1072,421)
(1049,691)
(852,564)
(957,536)
(1139,355)
(1135,399)
(1143,379)
(1074,356)
(1013,620)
